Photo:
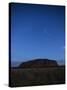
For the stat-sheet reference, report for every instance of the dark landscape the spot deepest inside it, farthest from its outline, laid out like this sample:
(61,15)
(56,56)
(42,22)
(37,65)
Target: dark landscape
(37,72)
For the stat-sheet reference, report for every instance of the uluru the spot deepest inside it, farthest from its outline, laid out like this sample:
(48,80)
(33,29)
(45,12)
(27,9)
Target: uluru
(38,63)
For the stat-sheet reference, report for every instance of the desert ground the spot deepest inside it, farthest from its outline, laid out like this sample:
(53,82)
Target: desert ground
(37,76)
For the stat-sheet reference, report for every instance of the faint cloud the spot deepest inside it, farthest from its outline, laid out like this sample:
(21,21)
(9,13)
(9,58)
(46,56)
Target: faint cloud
(46,31)
(63,47)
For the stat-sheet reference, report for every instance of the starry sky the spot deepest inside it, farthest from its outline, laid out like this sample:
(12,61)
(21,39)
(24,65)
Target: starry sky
(37,31)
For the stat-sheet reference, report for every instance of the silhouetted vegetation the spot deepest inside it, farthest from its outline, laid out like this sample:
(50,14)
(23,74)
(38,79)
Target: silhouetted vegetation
(37,72)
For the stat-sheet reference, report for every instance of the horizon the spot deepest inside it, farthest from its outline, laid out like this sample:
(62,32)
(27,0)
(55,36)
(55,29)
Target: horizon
(17,63)
(37,31)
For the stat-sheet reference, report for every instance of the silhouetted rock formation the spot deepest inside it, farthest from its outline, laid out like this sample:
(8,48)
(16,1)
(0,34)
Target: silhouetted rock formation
(38,63)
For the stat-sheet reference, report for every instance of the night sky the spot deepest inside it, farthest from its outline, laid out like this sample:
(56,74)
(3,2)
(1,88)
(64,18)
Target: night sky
(37,31)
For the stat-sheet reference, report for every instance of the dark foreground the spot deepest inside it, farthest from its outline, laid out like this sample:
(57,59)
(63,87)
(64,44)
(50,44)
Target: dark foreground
(37,76)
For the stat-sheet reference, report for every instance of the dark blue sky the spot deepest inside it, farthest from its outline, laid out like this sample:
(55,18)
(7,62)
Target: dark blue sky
(37,31)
